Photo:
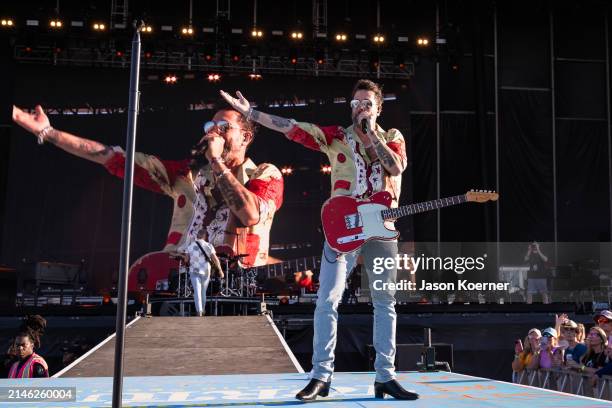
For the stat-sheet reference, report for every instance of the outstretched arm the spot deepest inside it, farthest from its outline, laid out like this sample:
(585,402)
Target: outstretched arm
(38,124)
(242,105)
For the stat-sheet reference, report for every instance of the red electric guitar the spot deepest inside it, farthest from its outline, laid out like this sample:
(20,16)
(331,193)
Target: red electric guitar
(348,223)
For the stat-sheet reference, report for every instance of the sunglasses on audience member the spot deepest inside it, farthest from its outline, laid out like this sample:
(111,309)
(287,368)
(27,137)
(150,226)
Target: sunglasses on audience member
(366,103)
(222,125)
(602,320)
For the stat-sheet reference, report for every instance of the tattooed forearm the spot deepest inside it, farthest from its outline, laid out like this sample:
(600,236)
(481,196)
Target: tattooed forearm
(94,148)
(241,201)
(281,122)
(78,146)
(233,199)
(273,122)
(390,161)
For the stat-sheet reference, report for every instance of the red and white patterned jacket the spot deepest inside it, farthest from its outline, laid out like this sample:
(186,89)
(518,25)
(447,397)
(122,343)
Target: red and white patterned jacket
(199,205)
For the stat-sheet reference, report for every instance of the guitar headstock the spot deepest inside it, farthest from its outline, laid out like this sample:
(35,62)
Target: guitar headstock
(481,196)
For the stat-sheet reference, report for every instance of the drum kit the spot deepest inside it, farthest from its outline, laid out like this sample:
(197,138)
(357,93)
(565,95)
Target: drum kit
(237,282)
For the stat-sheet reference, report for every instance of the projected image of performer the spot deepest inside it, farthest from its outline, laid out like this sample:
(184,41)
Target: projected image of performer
(365,159)
(218,190)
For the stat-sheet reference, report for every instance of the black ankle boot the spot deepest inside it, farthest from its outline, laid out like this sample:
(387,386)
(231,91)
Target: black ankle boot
(313,389)
(394,389)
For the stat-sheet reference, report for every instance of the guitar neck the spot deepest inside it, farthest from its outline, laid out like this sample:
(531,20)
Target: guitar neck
(411,209)
(283,269)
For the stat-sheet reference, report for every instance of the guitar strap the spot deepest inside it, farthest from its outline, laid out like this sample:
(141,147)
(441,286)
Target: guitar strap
(204,252)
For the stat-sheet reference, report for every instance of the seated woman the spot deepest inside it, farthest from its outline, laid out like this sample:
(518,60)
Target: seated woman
(595,356)
(524,355)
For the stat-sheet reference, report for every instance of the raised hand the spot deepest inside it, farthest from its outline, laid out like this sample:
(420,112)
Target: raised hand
(241,104)
(32,122)
(561,319)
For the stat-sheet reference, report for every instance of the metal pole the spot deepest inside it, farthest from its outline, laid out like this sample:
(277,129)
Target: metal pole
(496,79)
(607,33)
(554,124)
(126,216)
(438,125)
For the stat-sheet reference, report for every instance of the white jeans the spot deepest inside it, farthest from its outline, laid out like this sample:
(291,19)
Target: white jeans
(199,282)
(332,279)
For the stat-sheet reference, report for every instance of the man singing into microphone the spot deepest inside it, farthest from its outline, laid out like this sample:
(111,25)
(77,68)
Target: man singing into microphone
(365,159)
(227,196)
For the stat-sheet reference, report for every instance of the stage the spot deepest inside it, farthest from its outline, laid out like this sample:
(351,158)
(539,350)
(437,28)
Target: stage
(260,390)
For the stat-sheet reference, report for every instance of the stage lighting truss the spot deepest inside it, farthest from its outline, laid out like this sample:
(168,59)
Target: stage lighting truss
(350,65)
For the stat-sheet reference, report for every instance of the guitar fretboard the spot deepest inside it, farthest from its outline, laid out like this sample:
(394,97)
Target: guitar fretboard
(416,208)
(283,269)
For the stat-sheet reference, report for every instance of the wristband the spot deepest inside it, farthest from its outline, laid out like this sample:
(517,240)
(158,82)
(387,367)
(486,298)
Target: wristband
(42,135)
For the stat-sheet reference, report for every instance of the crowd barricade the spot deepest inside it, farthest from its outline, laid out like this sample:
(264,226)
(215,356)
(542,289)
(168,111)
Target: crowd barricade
(565,380)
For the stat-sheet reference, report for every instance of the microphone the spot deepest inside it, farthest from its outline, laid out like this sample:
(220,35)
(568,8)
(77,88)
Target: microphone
(364,125)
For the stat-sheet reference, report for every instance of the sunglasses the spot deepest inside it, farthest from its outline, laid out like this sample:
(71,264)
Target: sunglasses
(602,320)
(366,103)
(222,125)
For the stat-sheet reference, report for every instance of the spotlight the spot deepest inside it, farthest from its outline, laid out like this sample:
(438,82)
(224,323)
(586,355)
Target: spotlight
(379,38)
(148,54)
(187,31)
(214,77)
(297,35)
(170,79)
(326,169)
(287,171)
(255,77)
(119,53)
(341,37)
(255,33)
(56,24)
(99,27)
(422,42)
(294,60)
(147,29)
(7,22)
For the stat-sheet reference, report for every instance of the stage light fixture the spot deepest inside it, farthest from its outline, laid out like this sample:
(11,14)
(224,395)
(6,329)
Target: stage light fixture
(297,35)
(422,42)
(170,79)
(341,37)
(379,38)
(56,24)
(255,77)
(99,27)
(287,171)
(187,31)
(214,77)
(147,29)
(294,60)
(7,22)
(255,33)
(326,169)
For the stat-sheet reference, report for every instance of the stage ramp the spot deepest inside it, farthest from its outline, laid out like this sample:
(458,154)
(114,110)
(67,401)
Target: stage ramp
(178,346)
